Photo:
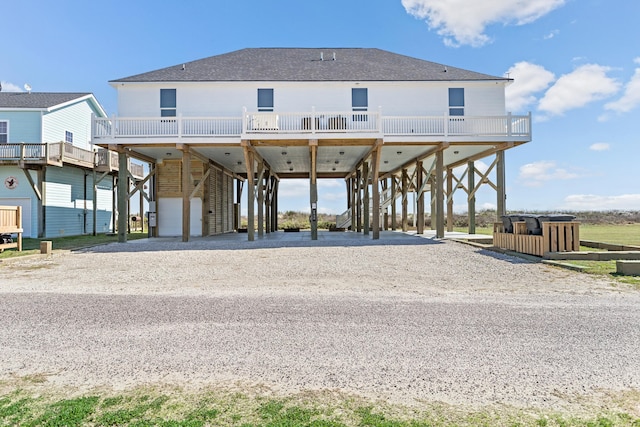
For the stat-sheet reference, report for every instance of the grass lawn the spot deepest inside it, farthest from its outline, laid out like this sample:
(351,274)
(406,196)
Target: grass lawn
(32,246)
(174,408)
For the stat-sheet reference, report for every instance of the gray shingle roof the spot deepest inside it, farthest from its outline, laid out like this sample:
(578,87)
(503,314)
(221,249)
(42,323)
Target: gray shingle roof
(36,99)
(305,64)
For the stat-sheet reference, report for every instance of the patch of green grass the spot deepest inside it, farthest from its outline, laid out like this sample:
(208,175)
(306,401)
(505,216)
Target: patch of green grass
(67,413)
(32,246)
(140,408)
(623,234)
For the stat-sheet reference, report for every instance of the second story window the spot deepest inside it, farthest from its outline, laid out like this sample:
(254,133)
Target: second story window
(265,99)
(359,102)
(167,103)
(4,132)
(456,101)
(359,99)
(68,137)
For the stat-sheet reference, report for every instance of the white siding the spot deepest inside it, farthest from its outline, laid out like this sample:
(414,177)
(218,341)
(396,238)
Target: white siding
(74,118)
(394,98)
(23,193)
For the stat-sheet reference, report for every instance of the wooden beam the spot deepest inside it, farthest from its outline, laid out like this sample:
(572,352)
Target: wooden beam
(440,194)
(251,199)
(365,201)
(123,190)
(471,199)
(405,201)
(186,197)
(313,187)
(449,195)
(375,163)
(420,183)
(501,183)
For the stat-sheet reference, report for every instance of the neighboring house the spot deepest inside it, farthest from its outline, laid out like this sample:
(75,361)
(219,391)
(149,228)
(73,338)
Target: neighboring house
(48,164)
(386,123)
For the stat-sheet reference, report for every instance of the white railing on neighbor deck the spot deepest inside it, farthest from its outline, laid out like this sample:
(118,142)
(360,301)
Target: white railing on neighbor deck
(352,123)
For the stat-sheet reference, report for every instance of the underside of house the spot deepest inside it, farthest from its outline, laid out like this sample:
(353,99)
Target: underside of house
(204,166)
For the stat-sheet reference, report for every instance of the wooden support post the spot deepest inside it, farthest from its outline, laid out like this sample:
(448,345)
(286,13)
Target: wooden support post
(359,201)
(123,192)
(405,200)
(251,198)
(440,194)
(237,218)
(449,199)
(354,209)
(206,199)
(394,189)
(274,204)
(419,220)
(432,197)
(186,192)
(313,188)
(365,197)
(375,163)
(94,214)
(267,202)
(471,200)
(500,182)
(260,190)
(385,213)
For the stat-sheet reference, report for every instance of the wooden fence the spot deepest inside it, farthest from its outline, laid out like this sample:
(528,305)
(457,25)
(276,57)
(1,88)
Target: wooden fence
(11,223)
(556,237)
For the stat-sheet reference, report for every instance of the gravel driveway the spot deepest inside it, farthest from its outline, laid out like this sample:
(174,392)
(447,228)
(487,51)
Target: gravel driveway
(404,318)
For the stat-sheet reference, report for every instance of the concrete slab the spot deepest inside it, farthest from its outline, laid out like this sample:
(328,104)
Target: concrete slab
(628,267)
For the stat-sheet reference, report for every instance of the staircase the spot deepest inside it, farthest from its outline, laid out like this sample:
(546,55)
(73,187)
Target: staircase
(344,219)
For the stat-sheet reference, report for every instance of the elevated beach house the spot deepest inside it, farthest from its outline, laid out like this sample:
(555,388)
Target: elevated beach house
(49,166)
(220,128)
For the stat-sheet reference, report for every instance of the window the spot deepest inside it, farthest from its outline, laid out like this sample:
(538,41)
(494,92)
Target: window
(4,132)
(456,101)
(265,99)
(359,102)
(68,137)
(167,102)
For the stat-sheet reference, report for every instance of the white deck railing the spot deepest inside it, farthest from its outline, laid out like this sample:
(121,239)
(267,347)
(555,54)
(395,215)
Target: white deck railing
(349,123)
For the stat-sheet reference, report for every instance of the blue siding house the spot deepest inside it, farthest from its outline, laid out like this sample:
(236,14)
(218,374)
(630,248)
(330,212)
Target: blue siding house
(49,166)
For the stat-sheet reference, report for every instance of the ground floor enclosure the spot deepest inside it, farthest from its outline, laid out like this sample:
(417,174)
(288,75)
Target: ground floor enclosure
(212,208)
(59,201)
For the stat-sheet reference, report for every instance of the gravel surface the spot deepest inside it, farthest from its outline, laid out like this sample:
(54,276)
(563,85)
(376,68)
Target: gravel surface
(404,318)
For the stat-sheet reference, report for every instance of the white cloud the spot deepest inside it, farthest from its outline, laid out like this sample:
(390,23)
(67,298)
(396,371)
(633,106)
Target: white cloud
(528,79)
(631,97)
(488,206)
(10,87)
(600,146)
(463,22)
(552,34)
(537,173)
(589,202)
(585,84)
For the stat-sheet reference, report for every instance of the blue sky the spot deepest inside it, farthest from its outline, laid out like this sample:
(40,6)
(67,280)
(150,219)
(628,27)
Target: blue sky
(576,65)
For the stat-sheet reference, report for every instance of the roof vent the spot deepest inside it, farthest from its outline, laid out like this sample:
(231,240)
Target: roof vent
(321,56)
(334,56)
(445,68)
(183,67)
